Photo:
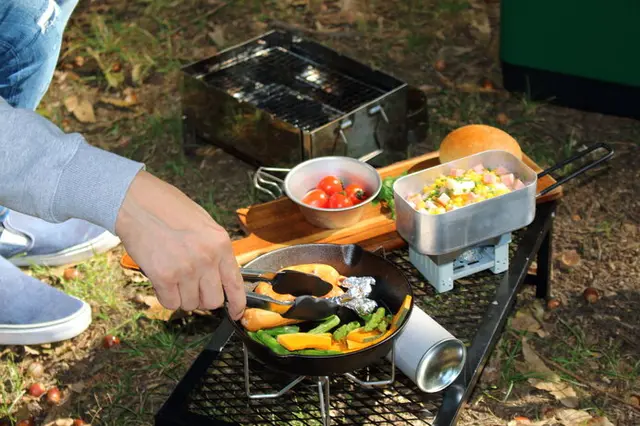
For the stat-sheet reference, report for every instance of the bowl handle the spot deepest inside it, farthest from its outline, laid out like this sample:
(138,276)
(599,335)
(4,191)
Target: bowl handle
(265,181)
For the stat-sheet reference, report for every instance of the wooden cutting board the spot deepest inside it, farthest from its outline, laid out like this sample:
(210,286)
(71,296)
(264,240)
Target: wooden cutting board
(279,223)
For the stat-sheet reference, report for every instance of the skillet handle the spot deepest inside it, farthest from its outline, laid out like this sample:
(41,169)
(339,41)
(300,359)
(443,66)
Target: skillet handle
(589,166)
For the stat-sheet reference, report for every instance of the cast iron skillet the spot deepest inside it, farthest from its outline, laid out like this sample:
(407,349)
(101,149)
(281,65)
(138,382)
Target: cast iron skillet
(349,260)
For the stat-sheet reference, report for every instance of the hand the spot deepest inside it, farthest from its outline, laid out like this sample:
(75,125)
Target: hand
(182,250)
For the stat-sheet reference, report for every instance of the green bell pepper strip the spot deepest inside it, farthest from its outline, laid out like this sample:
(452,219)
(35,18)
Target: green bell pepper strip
(341,333)
(286,329)
(272,343)
(327,325)
(373,323)
(316,352)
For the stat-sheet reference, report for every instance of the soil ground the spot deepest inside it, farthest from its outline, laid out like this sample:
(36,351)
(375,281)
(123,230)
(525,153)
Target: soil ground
(124,57)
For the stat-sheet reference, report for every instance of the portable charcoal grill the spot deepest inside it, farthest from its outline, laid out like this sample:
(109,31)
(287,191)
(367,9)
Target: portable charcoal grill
(279,99)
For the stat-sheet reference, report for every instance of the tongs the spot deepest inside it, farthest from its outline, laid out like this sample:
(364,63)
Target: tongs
(303,286)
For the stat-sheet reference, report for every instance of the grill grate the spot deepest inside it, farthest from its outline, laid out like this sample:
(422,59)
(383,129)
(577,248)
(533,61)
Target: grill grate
(291,87)
(220,394)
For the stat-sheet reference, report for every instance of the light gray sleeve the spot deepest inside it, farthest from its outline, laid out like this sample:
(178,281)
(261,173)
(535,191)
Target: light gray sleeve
(56,176)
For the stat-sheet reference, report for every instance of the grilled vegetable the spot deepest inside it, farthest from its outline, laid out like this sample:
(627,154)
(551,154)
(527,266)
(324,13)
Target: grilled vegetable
(361,336)
(331,322)
(317,352)
(298,341)
(352,345)
(373,323)
(402,313)
(282,330)
(342,331)
(255,319)
(384,324)
(272,343)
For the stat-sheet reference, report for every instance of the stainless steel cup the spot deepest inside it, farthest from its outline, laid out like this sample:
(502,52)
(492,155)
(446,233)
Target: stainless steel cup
(427,353)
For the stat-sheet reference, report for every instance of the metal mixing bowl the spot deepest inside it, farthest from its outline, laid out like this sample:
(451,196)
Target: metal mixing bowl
(305,176)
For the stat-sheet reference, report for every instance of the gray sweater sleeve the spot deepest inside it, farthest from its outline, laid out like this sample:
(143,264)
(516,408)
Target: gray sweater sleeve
(56,176)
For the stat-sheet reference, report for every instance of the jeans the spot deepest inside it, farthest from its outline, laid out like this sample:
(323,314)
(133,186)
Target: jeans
(30,41)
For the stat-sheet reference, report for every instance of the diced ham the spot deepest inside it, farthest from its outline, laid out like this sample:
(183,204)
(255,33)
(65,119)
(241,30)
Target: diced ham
(414,198)
(472,197)
(501,171)
(456,172)
(518,184)
(479,168)
(507,179)
(443,199)
(430,205)
(488,178)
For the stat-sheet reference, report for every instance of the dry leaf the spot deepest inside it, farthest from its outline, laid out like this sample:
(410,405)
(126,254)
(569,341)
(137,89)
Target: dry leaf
(82,109)
(122,103)
(77,387)
(217,36)
(30,350)
(599,421)
(524,321)
(71,103)
(551,383)
(61,422)
(156,310)
(569,417)
(562,391)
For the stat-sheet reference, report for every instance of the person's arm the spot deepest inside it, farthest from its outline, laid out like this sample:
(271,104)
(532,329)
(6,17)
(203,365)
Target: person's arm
(56,176)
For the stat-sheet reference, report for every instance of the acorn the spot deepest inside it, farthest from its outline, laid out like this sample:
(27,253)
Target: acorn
(591,295)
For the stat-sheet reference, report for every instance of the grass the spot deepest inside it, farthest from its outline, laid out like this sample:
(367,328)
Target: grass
(11,385)
(141,44)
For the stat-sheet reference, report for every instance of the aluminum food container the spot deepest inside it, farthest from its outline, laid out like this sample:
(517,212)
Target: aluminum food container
(472,224)
(305,176)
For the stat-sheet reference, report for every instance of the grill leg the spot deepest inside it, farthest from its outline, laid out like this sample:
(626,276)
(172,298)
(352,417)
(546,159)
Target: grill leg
(369,384)
(247,383)
(323,395)
(544,261)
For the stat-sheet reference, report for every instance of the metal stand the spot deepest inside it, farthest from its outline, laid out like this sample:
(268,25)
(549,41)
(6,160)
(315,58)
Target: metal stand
(442,270)
(322,382)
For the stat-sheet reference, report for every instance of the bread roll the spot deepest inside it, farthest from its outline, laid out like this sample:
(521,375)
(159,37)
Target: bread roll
(475,138)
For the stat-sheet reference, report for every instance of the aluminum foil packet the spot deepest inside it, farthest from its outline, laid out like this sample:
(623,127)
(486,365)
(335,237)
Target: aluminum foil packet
(356,296)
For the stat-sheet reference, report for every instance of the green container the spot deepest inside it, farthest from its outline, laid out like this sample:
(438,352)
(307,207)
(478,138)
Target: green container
(583,54)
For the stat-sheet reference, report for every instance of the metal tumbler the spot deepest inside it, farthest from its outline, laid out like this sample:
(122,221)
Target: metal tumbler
(427,353)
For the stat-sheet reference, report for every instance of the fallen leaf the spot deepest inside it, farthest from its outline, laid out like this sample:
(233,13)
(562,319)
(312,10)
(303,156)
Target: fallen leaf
(524,321)
(550,381)
(562,391)
(30,350)
(599,421)
(570,417)
(61,422)
(77,387)
(122,103)
(155,309)
(71,103)
(217,36)
(82,109)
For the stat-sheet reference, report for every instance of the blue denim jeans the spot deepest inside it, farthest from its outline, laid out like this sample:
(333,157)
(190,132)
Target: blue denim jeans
(30,41)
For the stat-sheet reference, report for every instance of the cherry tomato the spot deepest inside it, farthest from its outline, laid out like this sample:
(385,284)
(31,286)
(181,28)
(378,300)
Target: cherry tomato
(316,198)
(340,200)
(355,193)
(330,185)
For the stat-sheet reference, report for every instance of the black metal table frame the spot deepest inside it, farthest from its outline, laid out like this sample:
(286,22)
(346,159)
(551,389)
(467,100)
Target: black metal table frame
(535,243)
